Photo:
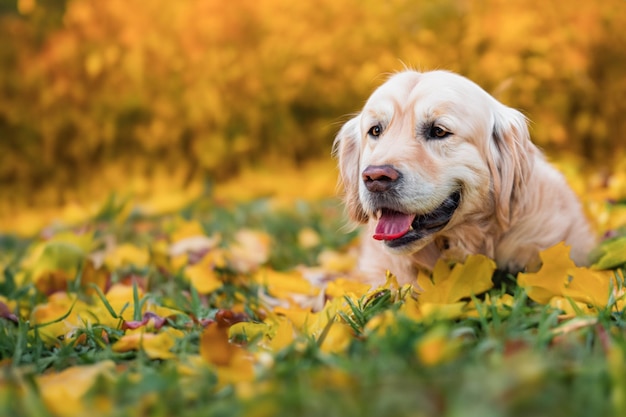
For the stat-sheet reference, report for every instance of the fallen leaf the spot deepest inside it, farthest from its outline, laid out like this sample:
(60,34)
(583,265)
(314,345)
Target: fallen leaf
(560,277)
(344,286)
(203,275)
(121,298)
(551,279)
(297,316)
(63,392)
(612,253)
(189,234)
(436,347)
(285,284)
(233,363)
(59,318)
(589,286)
(382,323)
(127,254)
(336,338)
(215,347)
(248,331)
(449,286)
(281,335)
(155,345)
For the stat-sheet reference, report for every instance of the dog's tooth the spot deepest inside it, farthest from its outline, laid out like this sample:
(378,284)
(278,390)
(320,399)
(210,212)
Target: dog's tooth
(379,213)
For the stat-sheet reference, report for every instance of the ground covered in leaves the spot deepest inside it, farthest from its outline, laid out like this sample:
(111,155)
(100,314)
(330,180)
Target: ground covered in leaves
(249,308)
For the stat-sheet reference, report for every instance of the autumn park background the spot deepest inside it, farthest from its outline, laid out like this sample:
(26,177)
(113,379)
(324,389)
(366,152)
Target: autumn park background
(147,97)
(171,241)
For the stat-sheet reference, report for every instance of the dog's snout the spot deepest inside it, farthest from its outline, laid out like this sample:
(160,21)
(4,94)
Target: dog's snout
(379,178)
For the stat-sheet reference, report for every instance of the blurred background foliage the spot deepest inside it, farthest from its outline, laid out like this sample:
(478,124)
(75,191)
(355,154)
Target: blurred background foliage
(101,95)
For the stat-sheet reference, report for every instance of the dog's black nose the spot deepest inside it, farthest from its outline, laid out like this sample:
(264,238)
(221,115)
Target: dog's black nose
(380,178)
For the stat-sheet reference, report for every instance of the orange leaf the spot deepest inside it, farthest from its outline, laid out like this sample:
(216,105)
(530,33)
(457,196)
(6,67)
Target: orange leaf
(215,347)
(233,363)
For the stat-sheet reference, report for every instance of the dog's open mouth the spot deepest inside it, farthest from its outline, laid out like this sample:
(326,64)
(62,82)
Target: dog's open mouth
(398,229)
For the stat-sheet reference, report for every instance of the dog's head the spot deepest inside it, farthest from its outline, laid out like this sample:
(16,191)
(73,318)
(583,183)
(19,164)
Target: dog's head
(429,151)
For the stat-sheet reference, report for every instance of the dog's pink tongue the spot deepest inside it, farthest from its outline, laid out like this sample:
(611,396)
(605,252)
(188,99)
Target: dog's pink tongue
(393,225)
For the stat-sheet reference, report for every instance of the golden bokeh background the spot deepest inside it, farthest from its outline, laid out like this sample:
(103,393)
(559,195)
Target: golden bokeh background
(161,96)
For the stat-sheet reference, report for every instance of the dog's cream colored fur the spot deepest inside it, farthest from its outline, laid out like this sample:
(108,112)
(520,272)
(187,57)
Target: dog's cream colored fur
(513,202)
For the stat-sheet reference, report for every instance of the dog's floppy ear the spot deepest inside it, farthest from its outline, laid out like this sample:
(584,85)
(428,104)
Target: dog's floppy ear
(347,150)
(510,157)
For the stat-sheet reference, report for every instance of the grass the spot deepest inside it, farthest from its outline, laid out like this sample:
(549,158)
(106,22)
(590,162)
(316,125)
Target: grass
(523,359)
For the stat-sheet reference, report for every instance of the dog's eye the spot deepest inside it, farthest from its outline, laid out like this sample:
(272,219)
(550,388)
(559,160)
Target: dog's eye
(375,131)
(437,132)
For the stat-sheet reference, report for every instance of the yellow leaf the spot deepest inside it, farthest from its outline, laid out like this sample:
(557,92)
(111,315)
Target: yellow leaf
(62,392)
(436,347)
(121,297)
(483,308)
(155,345)
(249,330)
(411,309)
(282,334)
(315,323)
(275,334)
(179,261)
(127,254)
(571,308)
(560,277)
(297,316)
(284,284)
(589,286)
(337,338)
(551,278)
(464,280)
(160,310)
(345,286)
(443,311)
(187,229)
(382,323)
(58,306)
(612,254)
(203,275)
(63,315)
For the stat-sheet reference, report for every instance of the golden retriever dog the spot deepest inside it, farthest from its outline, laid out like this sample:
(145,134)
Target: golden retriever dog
(436,167)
